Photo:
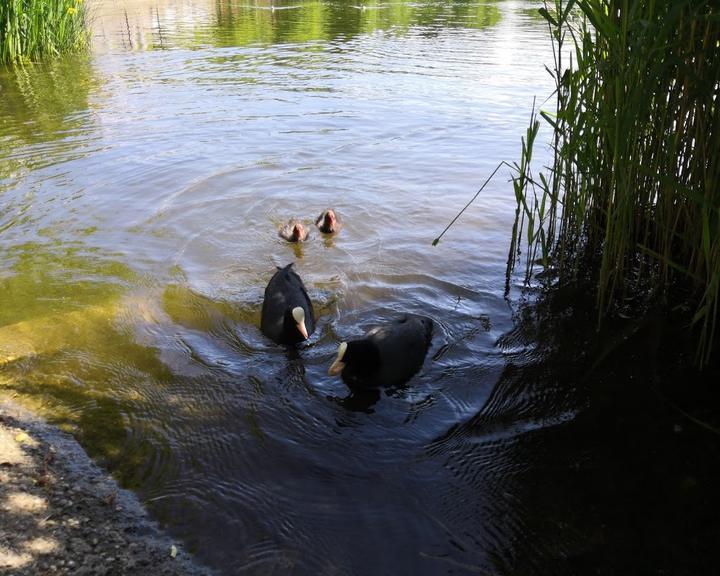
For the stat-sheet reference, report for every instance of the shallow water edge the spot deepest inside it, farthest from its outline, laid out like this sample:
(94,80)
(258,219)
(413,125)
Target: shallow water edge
(63,514)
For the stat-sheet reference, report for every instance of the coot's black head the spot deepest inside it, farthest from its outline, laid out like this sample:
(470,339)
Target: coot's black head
(357,360)
(294,324)
(428,325)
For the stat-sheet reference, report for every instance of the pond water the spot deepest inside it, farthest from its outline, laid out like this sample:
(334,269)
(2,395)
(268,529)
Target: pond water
(141,189)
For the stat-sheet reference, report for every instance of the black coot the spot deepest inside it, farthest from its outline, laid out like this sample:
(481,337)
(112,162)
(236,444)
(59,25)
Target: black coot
(388,355)
(287,313)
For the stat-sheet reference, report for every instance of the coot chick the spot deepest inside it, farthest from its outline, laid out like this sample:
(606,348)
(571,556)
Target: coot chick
(287,313)
(328,222)
(294,231)
(388,355)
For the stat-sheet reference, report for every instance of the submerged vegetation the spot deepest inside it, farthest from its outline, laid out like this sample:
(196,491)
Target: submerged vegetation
(34,29)
(631,202)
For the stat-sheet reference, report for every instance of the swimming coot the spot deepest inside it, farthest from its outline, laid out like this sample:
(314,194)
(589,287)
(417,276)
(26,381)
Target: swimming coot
(388,355)
(287,313)
(328,222)
(294,231)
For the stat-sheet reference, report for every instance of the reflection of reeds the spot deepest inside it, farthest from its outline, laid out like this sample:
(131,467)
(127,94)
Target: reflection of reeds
(632,198)
(33,29)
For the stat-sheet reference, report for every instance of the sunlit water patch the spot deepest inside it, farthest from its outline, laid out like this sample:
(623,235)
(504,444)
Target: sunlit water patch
(142,188)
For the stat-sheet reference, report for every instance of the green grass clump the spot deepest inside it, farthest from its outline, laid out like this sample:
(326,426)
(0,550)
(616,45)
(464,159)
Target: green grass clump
(632,199)
(34,29)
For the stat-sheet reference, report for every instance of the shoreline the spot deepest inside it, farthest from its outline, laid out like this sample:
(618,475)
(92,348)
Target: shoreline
(63,514)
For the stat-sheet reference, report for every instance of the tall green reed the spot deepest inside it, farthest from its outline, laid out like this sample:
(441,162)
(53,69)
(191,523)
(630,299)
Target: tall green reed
(34,29)
(632,198)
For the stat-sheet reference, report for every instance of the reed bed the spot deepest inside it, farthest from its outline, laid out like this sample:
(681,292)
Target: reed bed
(631,200)
(34,29)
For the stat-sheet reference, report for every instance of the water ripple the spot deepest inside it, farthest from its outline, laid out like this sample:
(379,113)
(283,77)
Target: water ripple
(143,189)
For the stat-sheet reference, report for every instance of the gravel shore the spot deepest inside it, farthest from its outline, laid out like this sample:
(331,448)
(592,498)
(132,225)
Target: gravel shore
(61,514)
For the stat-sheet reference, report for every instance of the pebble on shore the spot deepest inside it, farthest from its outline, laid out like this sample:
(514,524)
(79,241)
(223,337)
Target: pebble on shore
(61,514)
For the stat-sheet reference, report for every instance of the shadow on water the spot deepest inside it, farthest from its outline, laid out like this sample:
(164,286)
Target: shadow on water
(247,450)
(591,454)
(596,453)
(359,400)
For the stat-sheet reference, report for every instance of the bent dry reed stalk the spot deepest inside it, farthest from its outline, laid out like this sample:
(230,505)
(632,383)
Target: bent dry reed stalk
(34,29)
(632,197)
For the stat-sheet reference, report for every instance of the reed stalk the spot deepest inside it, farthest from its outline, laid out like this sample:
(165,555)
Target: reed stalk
(632,198)
(34,29)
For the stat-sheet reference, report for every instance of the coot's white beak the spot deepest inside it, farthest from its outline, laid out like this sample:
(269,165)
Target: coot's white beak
(303,330)
(338,365)
(299,316)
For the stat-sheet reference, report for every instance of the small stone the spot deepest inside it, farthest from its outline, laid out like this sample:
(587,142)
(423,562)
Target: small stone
(22,437)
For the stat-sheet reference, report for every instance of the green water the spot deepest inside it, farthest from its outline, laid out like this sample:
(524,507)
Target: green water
(142,186)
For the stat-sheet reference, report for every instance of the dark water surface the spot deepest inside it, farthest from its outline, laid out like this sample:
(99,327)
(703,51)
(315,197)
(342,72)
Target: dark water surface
(141,187)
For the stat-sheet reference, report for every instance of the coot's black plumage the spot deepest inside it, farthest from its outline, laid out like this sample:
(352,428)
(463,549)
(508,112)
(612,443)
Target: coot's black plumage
(388,355)
(287,313)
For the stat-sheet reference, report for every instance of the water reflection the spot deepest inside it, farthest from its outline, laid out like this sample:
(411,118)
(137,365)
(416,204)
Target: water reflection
(45,118)
(314,21)
(45,109)
(46,101)
(228,23)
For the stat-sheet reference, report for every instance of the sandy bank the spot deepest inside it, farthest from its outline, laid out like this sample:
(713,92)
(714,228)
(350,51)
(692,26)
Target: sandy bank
(61,514)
